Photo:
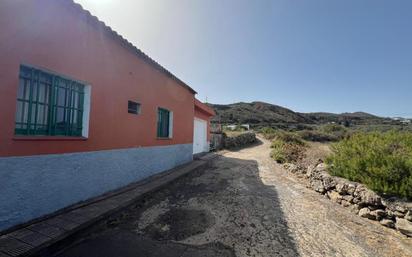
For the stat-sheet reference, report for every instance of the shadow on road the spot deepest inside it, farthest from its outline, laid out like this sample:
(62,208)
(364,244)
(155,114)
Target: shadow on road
(223,209)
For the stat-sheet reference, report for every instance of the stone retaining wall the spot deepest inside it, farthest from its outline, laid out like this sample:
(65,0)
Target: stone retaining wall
(390,212)
(241,140)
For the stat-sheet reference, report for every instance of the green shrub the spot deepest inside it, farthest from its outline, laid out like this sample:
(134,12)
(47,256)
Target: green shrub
(290,137)
(333,128)
(325,133)
(268,133)
(335,131)
(317,136)
(278,151)
(284,152)
(382,161)
(287,147)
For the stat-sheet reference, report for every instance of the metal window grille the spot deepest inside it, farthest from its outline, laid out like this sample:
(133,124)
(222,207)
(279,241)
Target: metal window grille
(48,104)
(163,119)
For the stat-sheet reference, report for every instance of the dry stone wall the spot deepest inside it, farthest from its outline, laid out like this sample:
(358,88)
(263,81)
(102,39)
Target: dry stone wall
(390,212)
(239,141)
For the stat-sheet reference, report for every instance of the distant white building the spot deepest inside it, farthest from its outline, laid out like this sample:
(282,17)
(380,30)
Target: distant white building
(233,127)
(402,120)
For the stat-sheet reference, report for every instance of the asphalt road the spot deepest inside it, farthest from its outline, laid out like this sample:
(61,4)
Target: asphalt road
(242,204)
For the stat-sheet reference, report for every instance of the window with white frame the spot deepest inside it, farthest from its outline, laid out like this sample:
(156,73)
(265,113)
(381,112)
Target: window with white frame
(51,105)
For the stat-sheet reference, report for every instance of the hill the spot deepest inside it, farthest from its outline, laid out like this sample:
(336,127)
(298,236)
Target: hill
(265,114)
(353,118)
(257,113)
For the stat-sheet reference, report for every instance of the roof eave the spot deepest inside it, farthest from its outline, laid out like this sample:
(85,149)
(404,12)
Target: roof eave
(124,42)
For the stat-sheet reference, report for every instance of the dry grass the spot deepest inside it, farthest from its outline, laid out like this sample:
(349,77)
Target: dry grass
(234,133)
(316,151)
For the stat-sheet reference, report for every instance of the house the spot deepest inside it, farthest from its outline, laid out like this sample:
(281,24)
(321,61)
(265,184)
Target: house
(83,111)
(201,136)
(403,121)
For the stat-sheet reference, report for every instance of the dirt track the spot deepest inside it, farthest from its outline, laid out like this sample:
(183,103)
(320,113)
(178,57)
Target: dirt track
(242,204)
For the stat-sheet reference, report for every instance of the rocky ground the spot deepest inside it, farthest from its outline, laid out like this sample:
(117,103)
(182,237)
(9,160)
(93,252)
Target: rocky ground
(242,204)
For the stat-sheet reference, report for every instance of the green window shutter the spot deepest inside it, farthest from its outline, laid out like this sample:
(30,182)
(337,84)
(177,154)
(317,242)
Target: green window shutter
(163,120)
(48,104)
(159,114)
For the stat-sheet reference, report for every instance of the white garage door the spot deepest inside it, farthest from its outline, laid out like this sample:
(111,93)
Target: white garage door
(200,143)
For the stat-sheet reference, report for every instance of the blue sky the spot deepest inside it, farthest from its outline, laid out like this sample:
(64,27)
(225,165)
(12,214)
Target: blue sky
(307,55)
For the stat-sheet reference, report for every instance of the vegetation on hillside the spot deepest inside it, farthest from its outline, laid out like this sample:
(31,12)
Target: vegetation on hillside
(382,161)
(345,119)
(257,113)
(324,133)
(260,114)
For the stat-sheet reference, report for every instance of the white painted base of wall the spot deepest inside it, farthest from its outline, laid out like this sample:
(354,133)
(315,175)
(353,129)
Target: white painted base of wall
(34,186)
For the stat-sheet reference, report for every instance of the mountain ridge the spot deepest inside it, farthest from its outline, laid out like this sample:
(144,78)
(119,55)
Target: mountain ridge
(262,114)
